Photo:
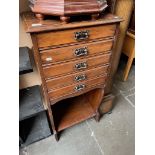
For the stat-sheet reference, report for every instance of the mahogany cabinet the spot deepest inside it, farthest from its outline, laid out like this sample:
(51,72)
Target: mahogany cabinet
(74,61)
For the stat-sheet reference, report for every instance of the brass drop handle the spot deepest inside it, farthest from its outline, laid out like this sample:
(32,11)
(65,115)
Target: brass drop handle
(81,52)
(80,77)
(80,87)
(82,65)
(82,35)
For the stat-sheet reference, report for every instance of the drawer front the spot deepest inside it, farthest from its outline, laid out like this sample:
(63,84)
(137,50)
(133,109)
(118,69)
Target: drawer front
(48,39)
(75,66)
(76,77)
(77,51)
(76,88)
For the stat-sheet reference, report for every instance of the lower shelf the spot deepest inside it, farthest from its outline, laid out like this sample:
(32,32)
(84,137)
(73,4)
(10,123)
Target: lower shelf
(34,129)
(72,111)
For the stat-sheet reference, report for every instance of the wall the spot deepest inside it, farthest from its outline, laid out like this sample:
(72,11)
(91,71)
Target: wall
(23,5)
(24,38)
(26,80)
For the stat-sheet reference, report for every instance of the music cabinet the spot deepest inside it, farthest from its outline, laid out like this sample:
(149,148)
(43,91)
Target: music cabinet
(75,64)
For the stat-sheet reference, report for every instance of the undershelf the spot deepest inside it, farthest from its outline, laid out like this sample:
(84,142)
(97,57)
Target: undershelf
(71,111)
(34,129)
(30,102)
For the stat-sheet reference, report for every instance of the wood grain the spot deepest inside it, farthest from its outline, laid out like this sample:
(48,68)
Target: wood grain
(72,111)
(57,37)
(32,24)
(68,67)
(54,94)
(67,53)
(70,79)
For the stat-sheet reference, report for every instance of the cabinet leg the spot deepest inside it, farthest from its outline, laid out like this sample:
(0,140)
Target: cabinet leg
(39,16)
(95,16)
(97,117)
(110,112)
(64,19)
(56,137)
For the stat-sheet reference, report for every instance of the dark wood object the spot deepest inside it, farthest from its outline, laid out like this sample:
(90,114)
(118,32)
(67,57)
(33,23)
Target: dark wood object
(74,62)
(67,8)
(24,61)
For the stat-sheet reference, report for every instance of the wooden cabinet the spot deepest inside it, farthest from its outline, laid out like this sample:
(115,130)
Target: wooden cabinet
(74,61)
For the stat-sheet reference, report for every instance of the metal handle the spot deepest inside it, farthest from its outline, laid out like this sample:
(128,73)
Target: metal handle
(80,77)
(82,65)
(81,51)
(80,87)
(82,35)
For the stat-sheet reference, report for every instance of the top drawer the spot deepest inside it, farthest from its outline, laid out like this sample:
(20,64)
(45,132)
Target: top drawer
(48,39)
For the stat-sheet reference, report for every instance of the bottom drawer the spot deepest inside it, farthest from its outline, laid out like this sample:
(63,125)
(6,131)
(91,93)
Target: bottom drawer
(76,88)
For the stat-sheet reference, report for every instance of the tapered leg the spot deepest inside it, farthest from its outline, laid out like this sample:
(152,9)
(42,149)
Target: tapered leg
(65,19)
(56,137)
(97,117)
(52,123)
(95,16)
(40,16)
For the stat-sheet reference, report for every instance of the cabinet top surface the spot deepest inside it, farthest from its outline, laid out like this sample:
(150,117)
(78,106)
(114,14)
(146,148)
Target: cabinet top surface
(32,24)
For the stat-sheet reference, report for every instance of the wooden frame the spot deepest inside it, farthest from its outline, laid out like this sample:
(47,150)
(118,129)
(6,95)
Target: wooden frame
(93,96)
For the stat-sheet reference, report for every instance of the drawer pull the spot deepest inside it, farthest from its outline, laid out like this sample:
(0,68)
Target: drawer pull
(80,87)
(81,51)
(49,59)
(82,65)
(82,35)
(80,78)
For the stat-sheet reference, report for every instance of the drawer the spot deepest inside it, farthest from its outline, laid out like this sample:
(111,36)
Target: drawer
(75,66)
(77,51)
(76,88)
(54,38)
(76,77)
